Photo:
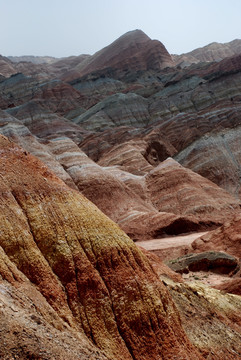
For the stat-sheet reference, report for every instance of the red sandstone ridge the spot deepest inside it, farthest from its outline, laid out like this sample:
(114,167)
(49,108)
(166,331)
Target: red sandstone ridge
(132,51)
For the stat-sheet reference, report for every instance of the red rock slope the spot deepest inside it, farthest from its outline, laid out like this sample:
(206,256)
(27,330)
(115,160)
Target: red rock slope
(91,274)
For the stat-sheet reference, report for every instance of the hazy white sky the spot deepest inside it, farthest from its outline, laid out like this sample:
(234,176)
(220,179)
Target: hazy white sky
(72,27)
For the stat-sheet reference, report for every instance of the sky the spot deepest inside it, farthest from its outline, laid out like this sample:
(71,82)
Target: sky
(62,28)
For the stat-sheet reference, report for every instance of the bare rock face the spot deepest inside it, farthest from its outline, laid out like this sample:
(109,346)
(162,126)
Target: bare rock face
(208,155)
(66,247)
(214,261)
(18,89)
(70,276)
(42,67)
(146,206)
(76,283)
(30,328)
(135,212)
(226,238)
(20,134)
(54,95)
(129,156)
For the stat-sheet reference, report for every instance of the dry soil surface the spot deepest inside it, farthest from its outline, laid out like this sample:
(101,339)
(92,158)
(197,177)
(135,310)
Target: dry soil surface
(174,241)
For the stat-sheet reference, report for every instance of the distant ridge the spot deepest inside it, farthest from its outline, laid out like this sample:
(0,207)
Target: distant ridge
(211,52)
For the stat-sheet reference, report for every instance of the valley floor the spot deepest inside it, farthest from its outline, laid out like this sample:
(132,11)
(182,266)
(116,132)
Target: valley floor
(164,248)
(169,242)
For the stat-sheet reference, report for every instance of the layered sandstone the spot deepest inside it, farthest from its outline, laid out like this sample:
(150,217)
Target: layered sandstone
(116,110)
(127,172)
(56,96)
(211,52)
(95,293)
(88,270)
(44,123)
(88,291)
(173,188)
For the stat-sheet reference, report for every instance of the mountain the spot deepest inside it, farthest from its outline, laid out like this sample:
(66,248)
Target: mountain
(97,153)
(132,51)
(193,108)
(91,282)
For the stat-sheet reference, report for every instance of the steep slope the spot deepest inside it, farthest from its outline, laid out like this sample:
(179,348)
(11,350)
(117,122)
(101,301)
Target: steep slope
(88,270)
(116,110)
(212,312)
(69,274)
(30,328)
(68,162)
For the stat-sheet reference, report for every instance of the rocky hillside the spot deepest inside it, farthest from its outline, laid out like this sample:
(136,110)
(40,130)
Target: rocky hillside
(97,152)
(91,281)
(91,274)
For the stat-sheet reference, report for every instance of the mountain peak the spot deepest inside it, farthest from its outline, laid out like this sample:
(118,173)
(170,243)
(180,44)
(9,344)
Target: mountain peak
(132,51)
(136,35)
